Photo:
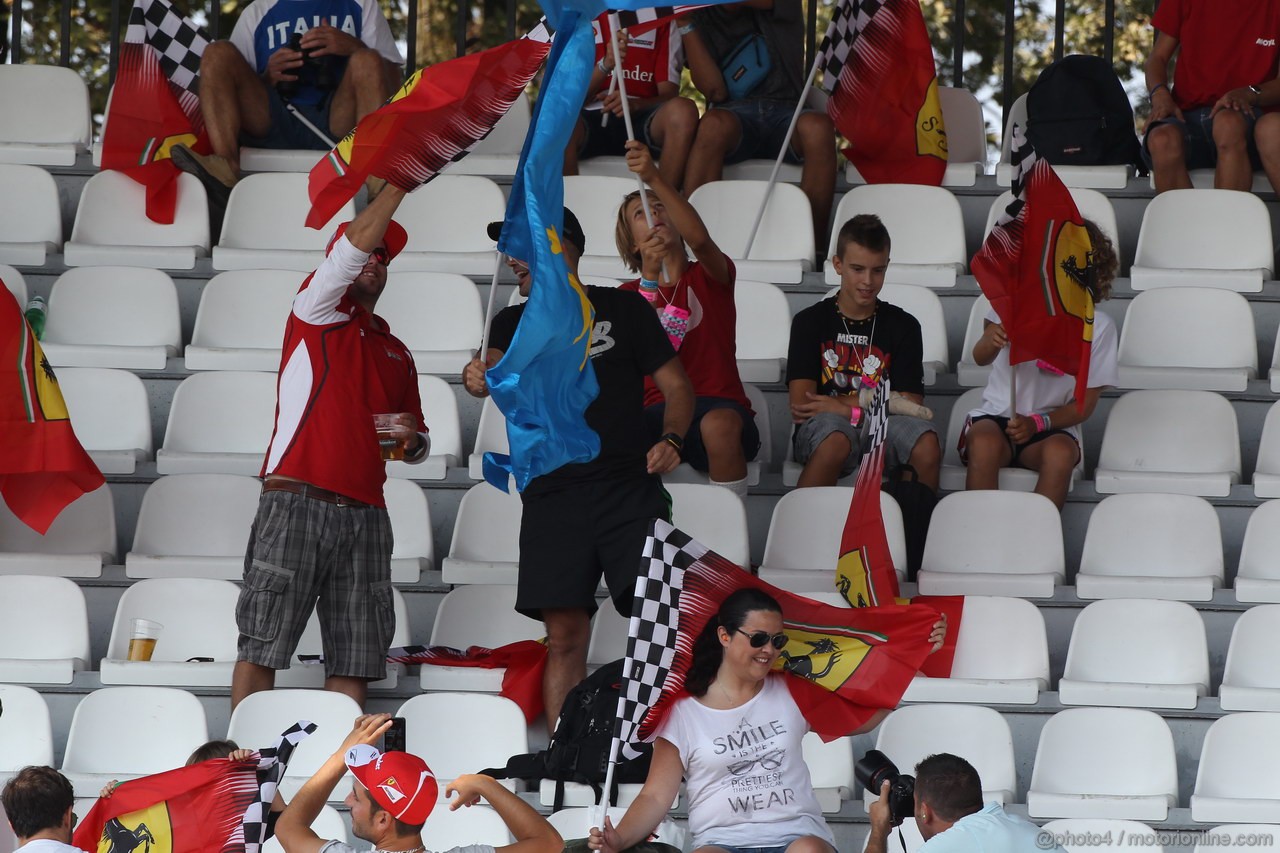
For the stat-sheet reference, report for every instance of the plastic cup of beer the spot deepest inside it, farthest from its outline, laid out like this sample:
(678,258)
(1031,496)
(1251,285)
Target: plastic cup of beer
(143,641)
(390,446)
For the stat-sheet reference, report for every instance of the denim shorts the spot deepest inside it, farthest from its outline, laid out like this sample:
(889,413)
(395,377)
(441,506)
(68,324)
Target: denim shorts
(764,129)
(903,433)
(1197,133)
(286,131)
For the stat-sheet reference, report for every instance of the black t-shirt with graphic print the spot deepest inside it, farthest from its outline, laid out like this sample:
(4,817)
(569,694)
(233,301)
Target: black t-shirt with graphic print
(627,344)
(833,351)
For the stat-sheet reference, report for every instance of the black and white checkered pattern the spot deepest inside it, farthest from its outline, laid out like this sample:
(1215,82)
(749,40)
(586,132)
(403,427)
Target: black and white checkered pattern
(640,20)
(847,23)
(878,416)
(1023,158)
(177,41)
(651,645)
(272,762)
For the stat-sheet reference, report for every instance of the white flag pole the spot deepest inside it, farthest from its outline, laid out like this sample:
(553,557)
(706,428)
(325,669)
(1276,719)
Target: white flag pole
(488,311)
(782,152)
(601,810)
(613,84)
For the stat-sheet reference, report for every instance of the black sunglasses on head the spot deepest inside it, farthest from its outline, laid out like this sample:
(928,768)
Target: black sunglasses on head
(759,638)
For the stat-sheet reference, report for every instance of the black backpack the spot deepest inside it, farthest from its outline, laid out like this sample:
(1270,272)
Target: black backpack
(579,748)
(916,500)
(1079,115)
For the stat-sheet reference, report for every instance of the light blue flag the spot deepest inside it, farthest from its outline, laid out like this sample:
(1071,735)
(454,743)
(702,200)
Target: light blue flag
(544,382)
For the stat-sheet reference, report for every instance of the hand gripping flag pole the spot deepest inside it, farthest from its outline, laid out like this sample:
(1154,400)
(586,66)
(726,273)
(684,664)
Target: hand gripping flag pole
(488,311)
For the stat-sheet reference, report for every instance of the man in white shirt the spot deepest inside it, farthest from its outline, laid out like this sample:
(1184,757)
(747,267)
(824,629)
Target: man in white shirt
(952,817)
(393,795)
(38,803)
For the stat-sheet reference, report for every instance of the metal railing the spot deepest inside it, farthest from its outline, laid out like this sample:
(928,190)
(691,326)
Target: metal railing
(119,12)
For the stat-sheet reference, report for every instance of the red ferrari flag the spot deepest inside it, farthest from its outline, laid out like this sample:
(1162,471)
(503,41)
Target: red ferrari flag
(845,663)
(154,104)
(865,574)
(879,71)
(43,468)
(1036,266)
(437,117)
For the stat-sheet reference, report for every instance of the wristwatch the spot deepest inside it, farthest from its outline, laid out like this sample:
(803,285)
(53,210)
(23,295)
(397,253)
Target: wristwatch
(674,440)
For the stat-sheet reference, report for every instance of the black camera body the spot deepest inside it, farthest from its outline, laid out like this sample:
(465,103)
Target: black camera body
(316,71)
(873,770)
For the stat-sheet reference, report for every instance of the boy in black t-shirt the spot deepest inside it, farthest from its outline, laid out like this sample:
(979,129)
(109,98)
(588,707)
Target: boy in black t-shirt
(586,519)
(849,341)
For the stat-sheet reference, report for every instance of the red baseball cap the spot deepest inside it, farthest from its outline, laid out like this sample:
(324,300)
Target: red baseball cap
(394,239)
(401,783)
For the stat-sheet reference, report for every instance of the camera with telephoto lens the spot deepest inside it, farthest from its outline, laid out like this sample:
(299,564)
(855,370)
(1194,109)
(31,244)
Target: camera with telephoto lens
(316,71)
(873,770)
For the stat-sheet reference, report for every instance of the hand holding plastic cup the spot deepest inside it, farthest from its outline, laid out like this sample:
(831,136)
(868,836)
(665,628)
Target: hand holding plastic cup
(390,446)
(143,641)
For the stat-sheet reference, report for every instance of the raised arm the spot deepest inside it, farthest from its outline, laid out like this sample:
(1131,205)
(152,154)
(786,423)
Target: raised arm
(531,831)
(683,216)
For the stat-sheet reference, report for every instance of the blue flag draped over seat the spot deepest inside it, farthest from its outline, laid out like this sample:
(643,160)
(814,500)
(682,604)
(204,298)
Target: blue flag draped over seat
(544,381)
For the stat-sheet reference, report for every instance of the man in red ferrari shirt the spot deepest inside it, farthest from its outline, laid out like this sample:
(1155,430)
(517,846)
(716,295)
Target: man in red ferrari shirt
(322,536)
(1217,112)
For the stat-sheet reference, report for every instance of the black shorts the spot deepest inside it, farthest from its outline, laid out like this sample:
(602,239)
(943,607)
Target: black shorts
(611,138)
(570,536)
(1016,449)
(695,452)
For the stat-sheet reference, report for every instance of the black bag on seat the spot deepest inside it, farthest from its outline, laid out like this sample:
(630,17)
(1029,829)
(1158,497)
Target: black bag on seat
(1079,115)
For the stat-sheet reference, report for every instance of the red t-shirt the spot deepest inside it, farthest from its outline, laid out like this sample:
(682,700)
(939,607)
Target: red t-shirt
(340,366)
(654,57)
(1223,44)
(709,352)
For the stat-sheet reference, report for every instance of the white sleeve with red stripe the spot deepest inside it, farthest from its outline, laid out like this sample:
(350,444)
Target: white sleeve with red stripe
(319,301)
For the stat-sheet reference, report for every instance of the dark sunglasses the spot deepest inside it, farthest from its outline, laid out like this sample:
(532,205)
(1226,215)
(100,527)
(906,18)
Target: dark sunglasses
(381,255)
(759,638)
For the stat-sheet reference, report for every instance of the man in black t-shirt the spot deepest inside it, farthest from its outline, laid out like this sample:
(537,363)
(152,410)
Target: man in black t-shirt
(585,519)
(849,341)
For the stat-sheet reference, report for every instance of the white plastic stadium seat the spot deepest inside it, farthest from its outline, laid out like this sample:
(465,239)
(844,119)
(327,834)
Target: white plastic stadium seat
(30,214)
(1152,546)
(966,139)
(993,543)
(194,526)
(26,734)
(449,828)
(219,423)
(15,284)
(491,436)
(477,615)
(446,219)
(1092,205)
(457,733)
(499,152)
(264,226)
(1139,653)
(1235,781)
(685,473)
(762,332)
(1274,374)
(1167,343)
(923,304)
(438,316)
(595,200)
(830,770)
(241,319)
(111,414)
(260,718)
(1001,657)
(1099,177)
(1104,762)
(415,550)
(1177,442)
(126,732)
(112,226)
(279,160)
(783,248)
(310,675)
(440,411)
(1258,574)
(486,538)
(925,225)
(1210,238)
(112,317)
(977,734)
(199,619)
(953,473)
(1095,834)
(609,632)
(46,110)
(81,539)
(968,372)
(1266,473)
(1251,680)
(44,644)
(714,516)
(803,544)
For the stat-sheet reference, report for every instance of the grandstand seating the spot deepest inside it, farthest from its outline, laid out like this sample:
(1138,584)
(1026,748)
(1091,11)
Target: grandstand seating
(761,338)
(112,317)
(194,526)
(414,551)
(924,305)
(966,139)
(26,734)
(240,323)
(1207,238)
(968,371)
(498,153)
(446,220)
(30,214)
(1151,546)
(15,283)
(714,516)
(263,226)
(437,315)
(112,227)
(926,227)
(1258,574)
(1266,474)
(260,718)
(440,411)
(219,422)
(1234,780)
(595,199)
(46,110)
(1165,342)
(783,248)
(830,766)
(111,414)
(1099,177)
(457,733)
(47,644)
(478,615)
(486,542)
(79,541)
(1251,679)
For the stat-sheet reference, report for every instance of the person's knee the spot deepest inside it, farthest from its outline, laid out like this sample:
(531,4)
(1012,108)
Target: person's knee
(719,129)
(679,117)
(1058,456)
(815,132)
(835,446)
(809,844)
(220,59)
(1166,144)
(1229,131)
(721,428)
(985,446)
(926,455)
(568,631)
(365,68)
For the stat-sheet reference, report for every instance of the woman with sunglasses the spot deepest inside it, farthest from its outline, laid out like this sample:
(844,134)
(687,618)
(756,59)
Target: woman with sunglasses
(736,740)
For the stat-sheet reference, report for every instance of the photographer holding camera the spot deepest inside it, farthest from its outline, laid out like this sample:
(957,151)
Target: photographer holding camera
(947,806)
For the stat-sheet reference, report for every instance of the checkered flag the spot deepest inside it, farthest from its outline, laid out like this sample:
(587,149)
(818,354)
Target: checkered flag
(636,21)
(847,23)
(178,43)
(1023,158)
(272,763)
(878,416)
